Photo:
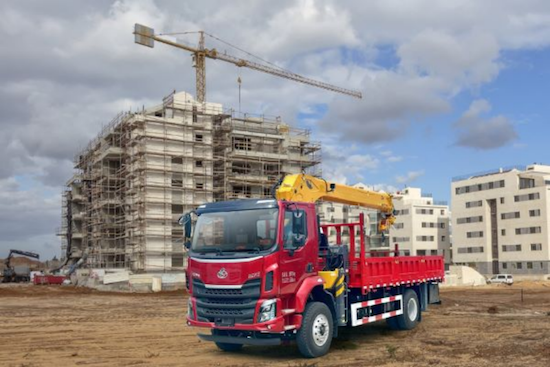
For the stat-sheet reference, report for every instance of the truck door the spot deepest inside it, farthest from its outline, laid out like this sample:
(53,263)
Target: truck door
(300,250)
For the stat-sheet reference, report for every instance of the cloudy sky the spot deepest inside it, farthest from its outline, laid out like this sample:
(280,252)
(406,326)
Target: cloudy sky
(449,87)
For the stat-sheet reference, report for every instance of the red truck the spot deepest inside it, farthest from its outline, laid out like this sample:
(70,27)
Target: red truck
(261,272)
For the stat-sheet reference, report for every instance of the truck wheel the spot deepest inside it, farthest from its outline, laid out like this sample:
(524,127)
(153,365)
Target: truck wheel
(227,347)
(315,335)
(411,311)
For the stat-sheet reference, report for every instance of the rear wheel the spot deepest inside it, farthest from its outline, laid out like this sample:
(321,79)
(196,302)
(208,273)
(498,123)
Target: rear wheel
(315,335)
(411,311)
(227,347)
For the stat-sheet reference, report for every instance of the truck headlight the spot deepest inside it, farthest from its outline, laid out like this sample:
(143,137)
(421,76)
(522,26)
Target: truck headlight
(190,311)
(268,310)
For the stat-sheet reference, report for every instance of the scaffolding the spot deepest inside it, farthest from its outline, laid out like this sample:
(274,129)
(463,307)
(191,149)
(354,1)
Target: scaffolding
(146,168)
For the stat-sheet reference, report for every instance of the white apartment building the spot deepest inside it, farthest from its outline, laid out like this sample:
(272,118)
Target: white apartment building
(421,228)
(422,225)
(500,220)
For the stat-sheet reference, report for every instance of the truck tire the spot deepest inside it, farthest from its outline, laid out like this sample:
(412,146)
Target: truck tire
(228,347)
(411,311)
(315,335)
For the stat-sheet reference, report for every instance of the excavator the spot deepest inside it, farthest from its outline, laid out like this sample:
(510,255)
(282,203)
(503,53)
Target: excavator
(17,273)
(262,271)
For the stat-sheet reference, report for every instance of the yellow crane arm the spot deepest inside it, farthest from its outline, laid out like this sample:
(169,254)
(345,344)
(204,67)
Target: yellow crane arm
(310,189)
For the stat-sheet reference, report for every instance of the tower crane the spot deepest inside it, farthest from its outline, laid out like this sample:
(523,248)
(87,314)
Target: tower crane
(146,36)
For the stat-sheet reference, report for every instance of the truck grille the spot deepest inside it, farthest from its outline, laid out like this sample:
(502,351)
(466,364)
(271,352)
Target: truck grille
(225,307)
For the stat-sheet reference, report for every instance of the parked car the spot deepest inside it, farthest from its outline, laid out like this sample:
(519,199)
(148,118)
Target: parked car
(501,278)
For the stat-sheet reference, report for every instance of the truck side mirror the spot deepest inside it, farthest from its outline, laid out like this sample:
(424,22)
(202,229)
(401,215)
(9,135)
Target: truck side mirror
(185,222)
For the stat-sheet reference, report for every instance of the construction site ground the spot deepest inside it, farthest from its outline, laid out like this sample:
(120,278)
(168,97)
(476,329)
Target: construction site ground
(64,326)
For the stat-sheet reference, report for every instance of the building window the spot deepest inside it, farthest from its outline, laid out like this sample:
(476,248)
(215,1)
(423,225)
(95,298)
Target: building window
(503,232)
(424,211)
(526,197)
(519,265)
(399,225)
(510,215)
(199,185)
(401,239)
(474,204)
(529,265)
(528,230)
(475,234)
(242,143)
(402,212)
(534,213)
(198,137)
(442,211)
(526,183)
(475,219)
(536,247)
(177,160)
(198,164)
(433,252)
(502,200)
(425,238)
(504,266)
(420,252)
(511,248)
(177,209)
(479,187)
(195,118)
(470,250)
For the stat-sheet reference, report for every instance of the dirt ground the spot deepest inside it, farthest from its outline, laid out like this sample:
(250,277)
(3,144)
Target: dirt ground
(60,326)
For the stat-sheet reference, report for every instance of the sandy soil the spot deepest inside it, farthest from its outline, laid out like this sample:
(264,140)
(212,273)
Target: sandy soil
(54,326)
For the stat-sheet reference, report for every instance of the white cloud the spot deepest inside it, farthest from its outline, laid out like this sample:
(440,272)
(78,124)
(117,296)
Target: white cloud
(483,133)
(411,176)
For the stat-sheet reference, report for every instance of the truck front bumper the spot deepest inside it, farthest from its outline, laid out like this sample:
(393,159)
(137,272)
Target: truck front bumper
(240,339)
(277,325)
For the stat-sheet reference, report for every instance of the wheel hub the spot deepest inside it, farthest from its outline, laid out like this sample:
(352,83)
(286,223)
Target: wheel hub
(321,330)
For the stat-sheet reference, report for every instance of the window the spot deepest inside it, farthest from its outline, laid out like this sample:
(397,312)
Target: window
(442,211)
(433,252)
(511,248)
(402,212)
(425,238)
(519,265)
(199,185)
(267,191)
(177,160)
(534,213)
(536,247)
(295,229)
(177,180)
(526,183)
(502,200)
(526,197)
(442,225)
(195,118)
(399,225)
(242,143)
(528,230)
(177,209)
(470,250)
(479,187)
(504,265)
(198,163)
(420,252)
(198,137)
(510,215)
(401,239)
(477,218)
(475,234)
(474,204)
(529,265)
(443,238)
(424,211)
(503,232)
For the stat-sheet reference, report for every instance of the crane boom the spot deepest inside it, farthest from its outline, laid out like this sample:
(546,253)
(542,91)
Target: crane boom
(145,36)
(22,253)
(306,188)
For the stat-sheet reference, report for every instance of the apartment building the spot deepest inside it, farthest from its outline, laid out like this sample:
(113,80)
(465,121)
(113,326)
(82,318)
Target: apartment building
(500,220)
(423,224)
(146,168)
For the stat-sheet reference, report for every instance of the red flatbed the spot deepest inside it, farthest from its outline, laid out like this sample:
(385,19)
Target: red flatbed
(369,272)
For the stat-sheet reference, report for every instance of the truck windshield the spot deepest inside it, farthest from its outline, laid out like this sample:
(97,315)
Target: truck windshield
(236,231)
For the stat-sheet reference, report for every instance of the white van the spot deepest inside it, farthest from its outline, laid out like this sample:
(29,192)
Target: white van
(501,278)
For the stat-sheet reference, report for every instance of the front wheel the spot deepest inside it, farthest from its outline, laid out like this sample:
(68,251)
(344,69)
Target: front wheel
(228,347)
(315,335)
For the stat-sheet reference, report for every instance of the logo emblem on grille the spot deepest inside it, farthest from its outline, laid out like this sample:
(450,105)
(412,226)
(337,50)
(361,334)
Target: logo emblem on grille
(222,274)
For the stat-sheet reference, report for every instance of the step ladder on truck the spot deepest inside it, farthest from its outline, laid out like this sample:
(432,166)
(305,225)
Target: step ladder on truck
(261,271)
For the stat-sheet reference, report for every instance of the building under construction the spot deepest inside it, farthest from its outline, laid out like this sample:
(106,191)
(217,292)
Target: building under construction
(135,179)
